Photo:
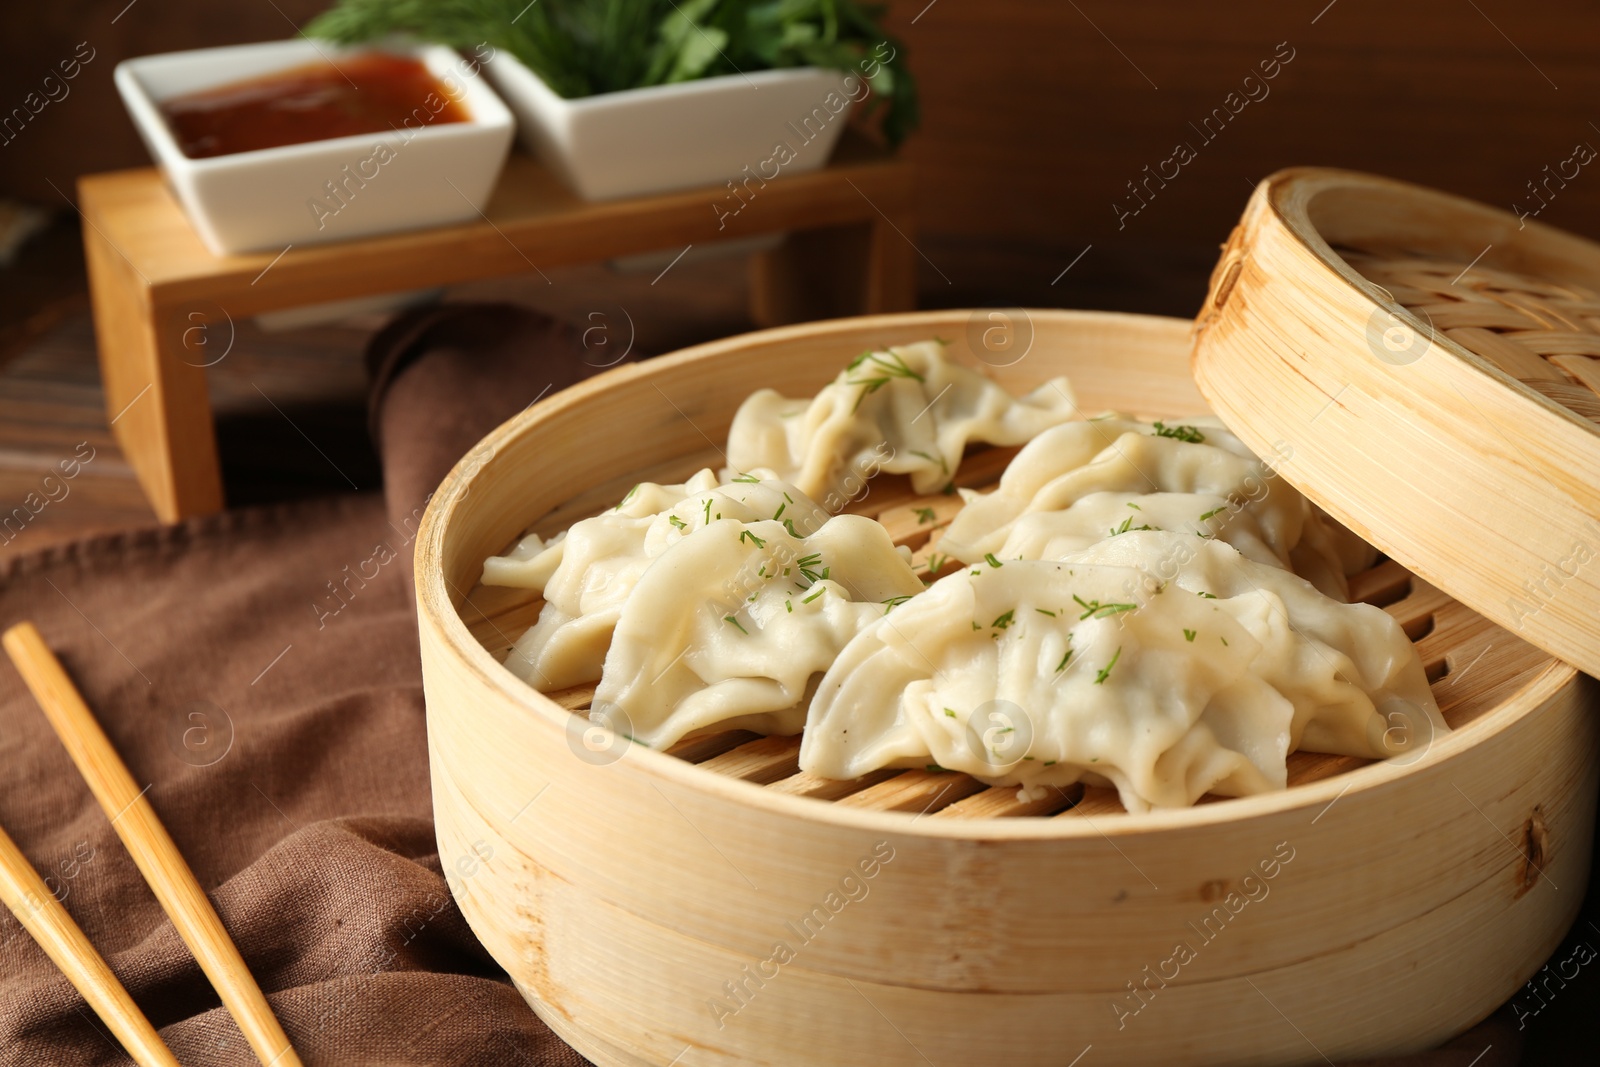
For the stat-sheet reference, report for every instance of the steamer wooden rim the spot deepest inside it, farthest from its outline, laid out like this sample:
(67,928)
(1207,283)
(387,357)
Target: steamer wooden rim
(1289,317)
(437,610)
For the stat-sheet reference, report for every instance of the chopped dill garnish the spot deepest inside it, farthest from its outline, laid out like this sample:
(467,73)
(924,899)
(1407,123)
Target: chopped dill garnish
(758,542)
(1049,763)
(1224,642)
(1213,511)
(926,515)
(631,494)
(788,499)
(1182,433)
(788,607)
(934,768)
(776,515)
(894,602)
(950,713)
(937,562)
(1045,611)
(679,523)
(788,524)
(820,590)
(1003,621)
(1128,526)
(761,572)
(988,557)
(1098,610)
(708,511)
(750,478)
(944,468)
(1105,672)
(1064,661)
(809,567)
(730,618)
(975,625)
(1188,635)
(1208,596)
(949,489)
(1134,506)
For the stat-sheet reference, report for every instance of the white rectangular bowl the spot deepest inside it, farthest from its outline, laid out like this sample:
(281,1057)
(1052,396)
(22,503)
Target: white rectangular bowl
(681,136)
(265,200)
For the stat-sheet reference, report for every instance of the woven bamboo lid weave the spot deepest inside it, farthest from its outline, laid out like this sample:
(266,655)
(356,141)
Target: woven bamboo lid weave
(1428,368)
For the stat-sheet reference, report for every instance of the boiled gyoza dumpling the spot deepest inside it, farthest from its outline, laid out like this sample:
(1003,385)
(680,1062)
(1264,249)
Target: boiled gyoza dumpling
(1063,491)
(729,626)
(906,410)
(587,574)
(1045,673)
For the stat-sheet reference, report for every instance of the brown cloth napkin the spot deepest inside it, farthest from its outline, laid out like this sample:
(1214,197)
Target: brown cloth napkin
(259,670)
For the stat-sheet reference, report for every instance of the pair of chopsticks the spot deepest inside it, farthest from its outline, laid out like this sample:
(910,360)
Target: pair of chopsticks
(158,859)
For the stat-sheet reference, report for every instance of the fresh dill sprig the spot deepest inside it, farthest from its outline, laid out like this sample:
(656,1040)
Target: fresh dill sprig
(679,523)
(894,602)
(925,516)
(750,478)
(878,369)
(988,557)
(730,618)
(631,494)
(1003,621)
(758,542)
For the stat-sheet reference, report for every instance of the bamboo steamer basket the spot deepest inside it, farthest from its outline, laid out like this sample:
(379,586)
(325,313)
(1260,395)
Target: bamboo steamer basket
(1434,364)
(638,897)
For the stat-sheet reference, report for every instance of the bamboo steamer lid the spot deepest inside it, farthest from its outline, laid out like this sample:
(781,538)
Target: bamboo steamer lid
(1427,369)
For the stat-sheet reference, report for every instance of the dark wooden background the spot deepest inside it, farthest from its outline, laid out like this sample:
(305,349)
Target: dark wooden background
(1038,112)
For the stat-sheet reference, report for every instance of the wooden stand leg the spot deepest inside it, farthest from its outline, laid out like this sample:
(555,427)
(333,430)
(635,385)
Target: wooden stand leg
(828,273)
(156,402)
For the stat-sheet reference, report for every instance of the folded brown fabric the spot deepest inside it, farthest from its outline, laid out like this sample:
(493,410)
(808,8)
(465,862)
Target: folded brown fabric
(444,376)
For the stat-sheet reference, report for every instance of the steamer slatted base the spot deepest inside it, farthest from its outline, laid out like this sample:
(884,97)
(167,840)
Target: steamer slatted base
(714,905)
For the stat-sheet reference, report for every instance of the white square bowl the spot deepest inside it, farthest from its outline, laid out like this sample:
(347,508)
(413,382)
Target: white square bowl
(267,199)
(681,136)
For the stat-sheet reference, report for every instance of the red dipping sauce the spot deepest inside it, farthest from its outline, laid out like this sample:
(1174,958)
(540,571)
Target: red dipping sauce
(367,93)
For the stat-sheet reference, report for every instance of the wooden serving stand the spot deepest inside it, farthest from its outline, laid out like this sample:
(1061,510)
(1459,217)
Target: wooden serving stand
(151,279)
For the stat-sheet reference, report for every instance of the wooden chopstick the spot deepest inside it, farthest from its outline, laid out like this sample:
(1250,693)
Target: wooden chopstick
(153,850)
(42,915)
